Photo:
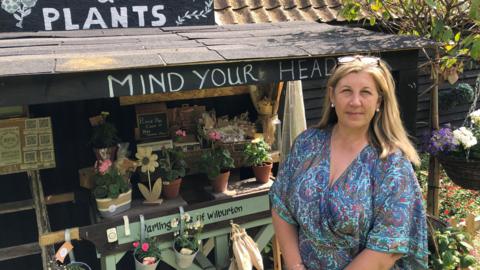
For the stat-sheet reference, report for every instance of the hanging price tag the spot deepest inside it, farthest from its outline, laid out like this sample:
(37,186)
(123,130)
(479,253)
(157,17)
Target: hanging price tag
(63,251)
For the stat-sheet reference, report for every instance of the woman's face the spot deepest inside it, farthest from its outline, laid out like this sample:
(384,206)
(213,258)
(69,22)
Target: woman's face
(356,98)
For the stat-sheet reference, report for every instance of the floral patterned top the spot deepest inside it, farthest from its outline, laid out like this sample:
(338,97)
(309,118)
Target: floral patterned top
(374,204)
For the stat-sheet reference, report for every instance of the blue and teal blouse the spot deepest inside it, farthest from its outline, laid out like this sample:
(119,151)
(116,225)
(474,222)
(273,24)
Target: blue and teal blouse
(374,204)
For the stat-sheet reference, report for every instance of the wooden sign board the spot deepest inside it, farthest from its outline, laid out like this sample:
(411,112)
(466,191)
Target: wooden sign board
(48,15)
(152,121)
(26,144)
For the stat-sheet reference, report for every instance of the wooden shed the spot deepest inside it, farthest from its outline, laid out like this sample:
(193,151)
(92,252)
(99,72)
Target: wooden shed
(71,76)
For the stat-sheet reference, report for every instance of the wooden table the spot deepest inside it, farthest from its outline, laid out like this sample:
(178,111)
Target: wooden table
(246,203)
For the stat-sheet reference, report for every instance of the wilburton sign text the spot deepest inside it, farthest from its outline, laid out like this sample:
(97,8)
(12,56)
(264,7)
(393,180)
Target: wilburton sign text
(48,15)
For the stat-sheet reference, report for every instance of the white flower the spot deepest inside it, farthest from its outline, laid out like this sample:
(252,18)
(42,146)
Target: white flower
(197,225)
(465,137)
(174,223)
(475,117)
(147,160)
(186,217)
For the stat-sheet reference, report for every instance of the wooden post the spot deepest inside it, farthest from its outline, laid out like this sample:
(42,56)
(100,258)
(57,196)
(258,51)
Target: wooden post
(433,168)
(470,225)
(43,224)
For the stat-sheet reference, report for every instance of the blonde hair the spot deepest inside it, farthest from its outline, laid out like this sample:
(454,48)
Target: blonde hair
(386,130)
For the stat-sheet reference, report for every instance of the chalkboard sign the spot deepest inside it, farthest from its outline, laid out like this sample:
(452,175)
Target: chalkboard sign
(153,125)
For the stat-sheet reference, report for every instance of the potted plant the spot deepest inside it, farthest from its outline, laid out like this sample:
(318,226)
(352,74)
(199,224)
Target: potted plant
(186,242)
(216,162)
(104,138)
(257,155)
(172,168)
(459,152)
(147,254)
(112,190)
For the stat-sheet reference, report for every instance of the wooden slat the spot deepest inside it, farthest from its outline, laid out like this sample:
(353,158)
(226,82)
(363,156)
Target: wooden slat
(58,237)
(13,252)
(24,205)
(194,94)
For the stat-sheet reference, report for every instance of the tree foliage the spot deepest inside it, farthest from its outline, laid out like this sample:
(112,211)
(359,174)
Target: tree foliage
(454,24)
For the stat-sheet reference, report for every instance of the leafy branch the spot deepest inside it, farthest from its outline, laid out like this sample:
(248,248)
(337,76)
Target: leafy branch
(195,14)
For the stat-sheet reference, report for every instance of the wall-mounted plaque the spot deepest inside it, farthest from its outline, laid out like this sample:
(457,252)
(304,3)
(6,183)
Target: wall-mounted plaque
(152,121)
(26,144)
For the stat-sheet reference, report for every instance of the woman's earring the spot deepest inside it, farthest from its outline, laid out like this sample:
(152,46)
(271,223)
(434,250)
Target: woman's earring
(378,109)
(332,105)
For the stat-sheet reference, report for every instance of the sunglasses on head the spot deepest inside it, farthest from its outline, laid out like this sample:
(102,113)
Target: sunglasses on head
(368,60)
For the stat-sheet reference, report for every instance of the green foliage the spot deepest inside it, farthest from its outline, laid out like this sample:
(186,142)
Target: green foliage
(216,160)
(257,153)
(451,23)
(453,250)
(461,94)
(109,185)
(148,248)
(172,164)
(188,234)
(104,134)
(75,267)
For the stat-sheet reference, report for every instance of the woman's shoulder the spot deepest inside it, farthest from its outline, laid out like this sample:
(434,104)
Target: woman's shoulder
(312,134)
(395,161)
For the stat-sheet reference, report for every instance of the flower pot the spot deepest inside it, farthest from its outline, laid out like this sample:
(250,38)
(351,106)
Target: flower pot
(106,153)
(465,173)
(220,183)
(184,261)
(110,207)
(262,173)
(171,188)
(141,266)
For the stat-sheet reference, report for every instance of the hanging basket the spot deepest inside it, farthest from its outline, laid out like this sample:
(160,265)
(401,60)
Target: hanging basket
(465,173)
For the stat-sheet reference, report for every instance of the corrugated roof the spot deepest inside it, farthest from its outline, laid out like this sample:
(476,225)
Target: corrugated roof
(113,49)
(261,11)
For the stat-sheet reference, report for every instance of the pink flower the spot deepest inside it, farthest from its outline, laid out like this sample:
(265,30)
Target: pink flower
(214,135)
(181,133)
(104,166)
(446,212)
(135,244)
(145,247)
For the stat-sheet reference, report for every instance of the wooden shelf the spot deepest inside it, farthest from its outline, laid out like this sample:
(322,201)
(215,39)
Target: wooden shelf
(183,95)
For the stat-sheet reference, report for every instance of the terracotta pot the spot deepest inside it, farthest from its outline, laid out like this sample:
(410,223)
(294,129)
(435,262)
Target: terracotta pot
(110,207)
(106,153)
(171,188)
(220,183)
(262,173)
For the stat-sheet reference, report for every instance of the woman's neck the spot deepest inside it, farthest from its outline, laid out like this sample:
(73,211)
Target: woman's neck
(350,136)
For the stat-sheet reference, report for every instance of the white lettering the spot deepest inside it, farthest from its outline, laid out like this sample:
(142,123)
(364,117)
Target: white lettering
(316,67)
(143,83)
(224,79)
(170,74)
(161,18)
(301,70)
(239,80)
(119,18)
(282,70)
(140,10)
(201,77)
(246,71)
(327,72)
(94,17)
(112,79)
(49,15)
(151,78)
(68,20)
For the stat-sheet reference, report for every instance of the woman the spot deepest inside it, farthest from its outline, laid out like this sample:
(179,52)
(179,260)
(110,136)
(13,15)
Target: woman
(347,197)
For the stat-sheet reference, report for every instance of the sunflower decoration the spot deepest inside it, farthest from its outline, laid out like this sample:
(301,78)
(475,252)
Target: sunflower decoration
(147,161)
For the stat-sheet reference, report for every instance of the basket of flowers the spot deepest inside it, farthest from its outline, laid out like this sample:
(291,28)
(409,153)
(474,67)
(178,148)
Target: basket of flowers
(459,152)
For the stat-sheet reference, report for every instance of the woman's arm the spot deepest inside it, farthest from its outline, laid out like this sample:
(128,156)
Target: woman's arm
(370,259)
(287,236)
